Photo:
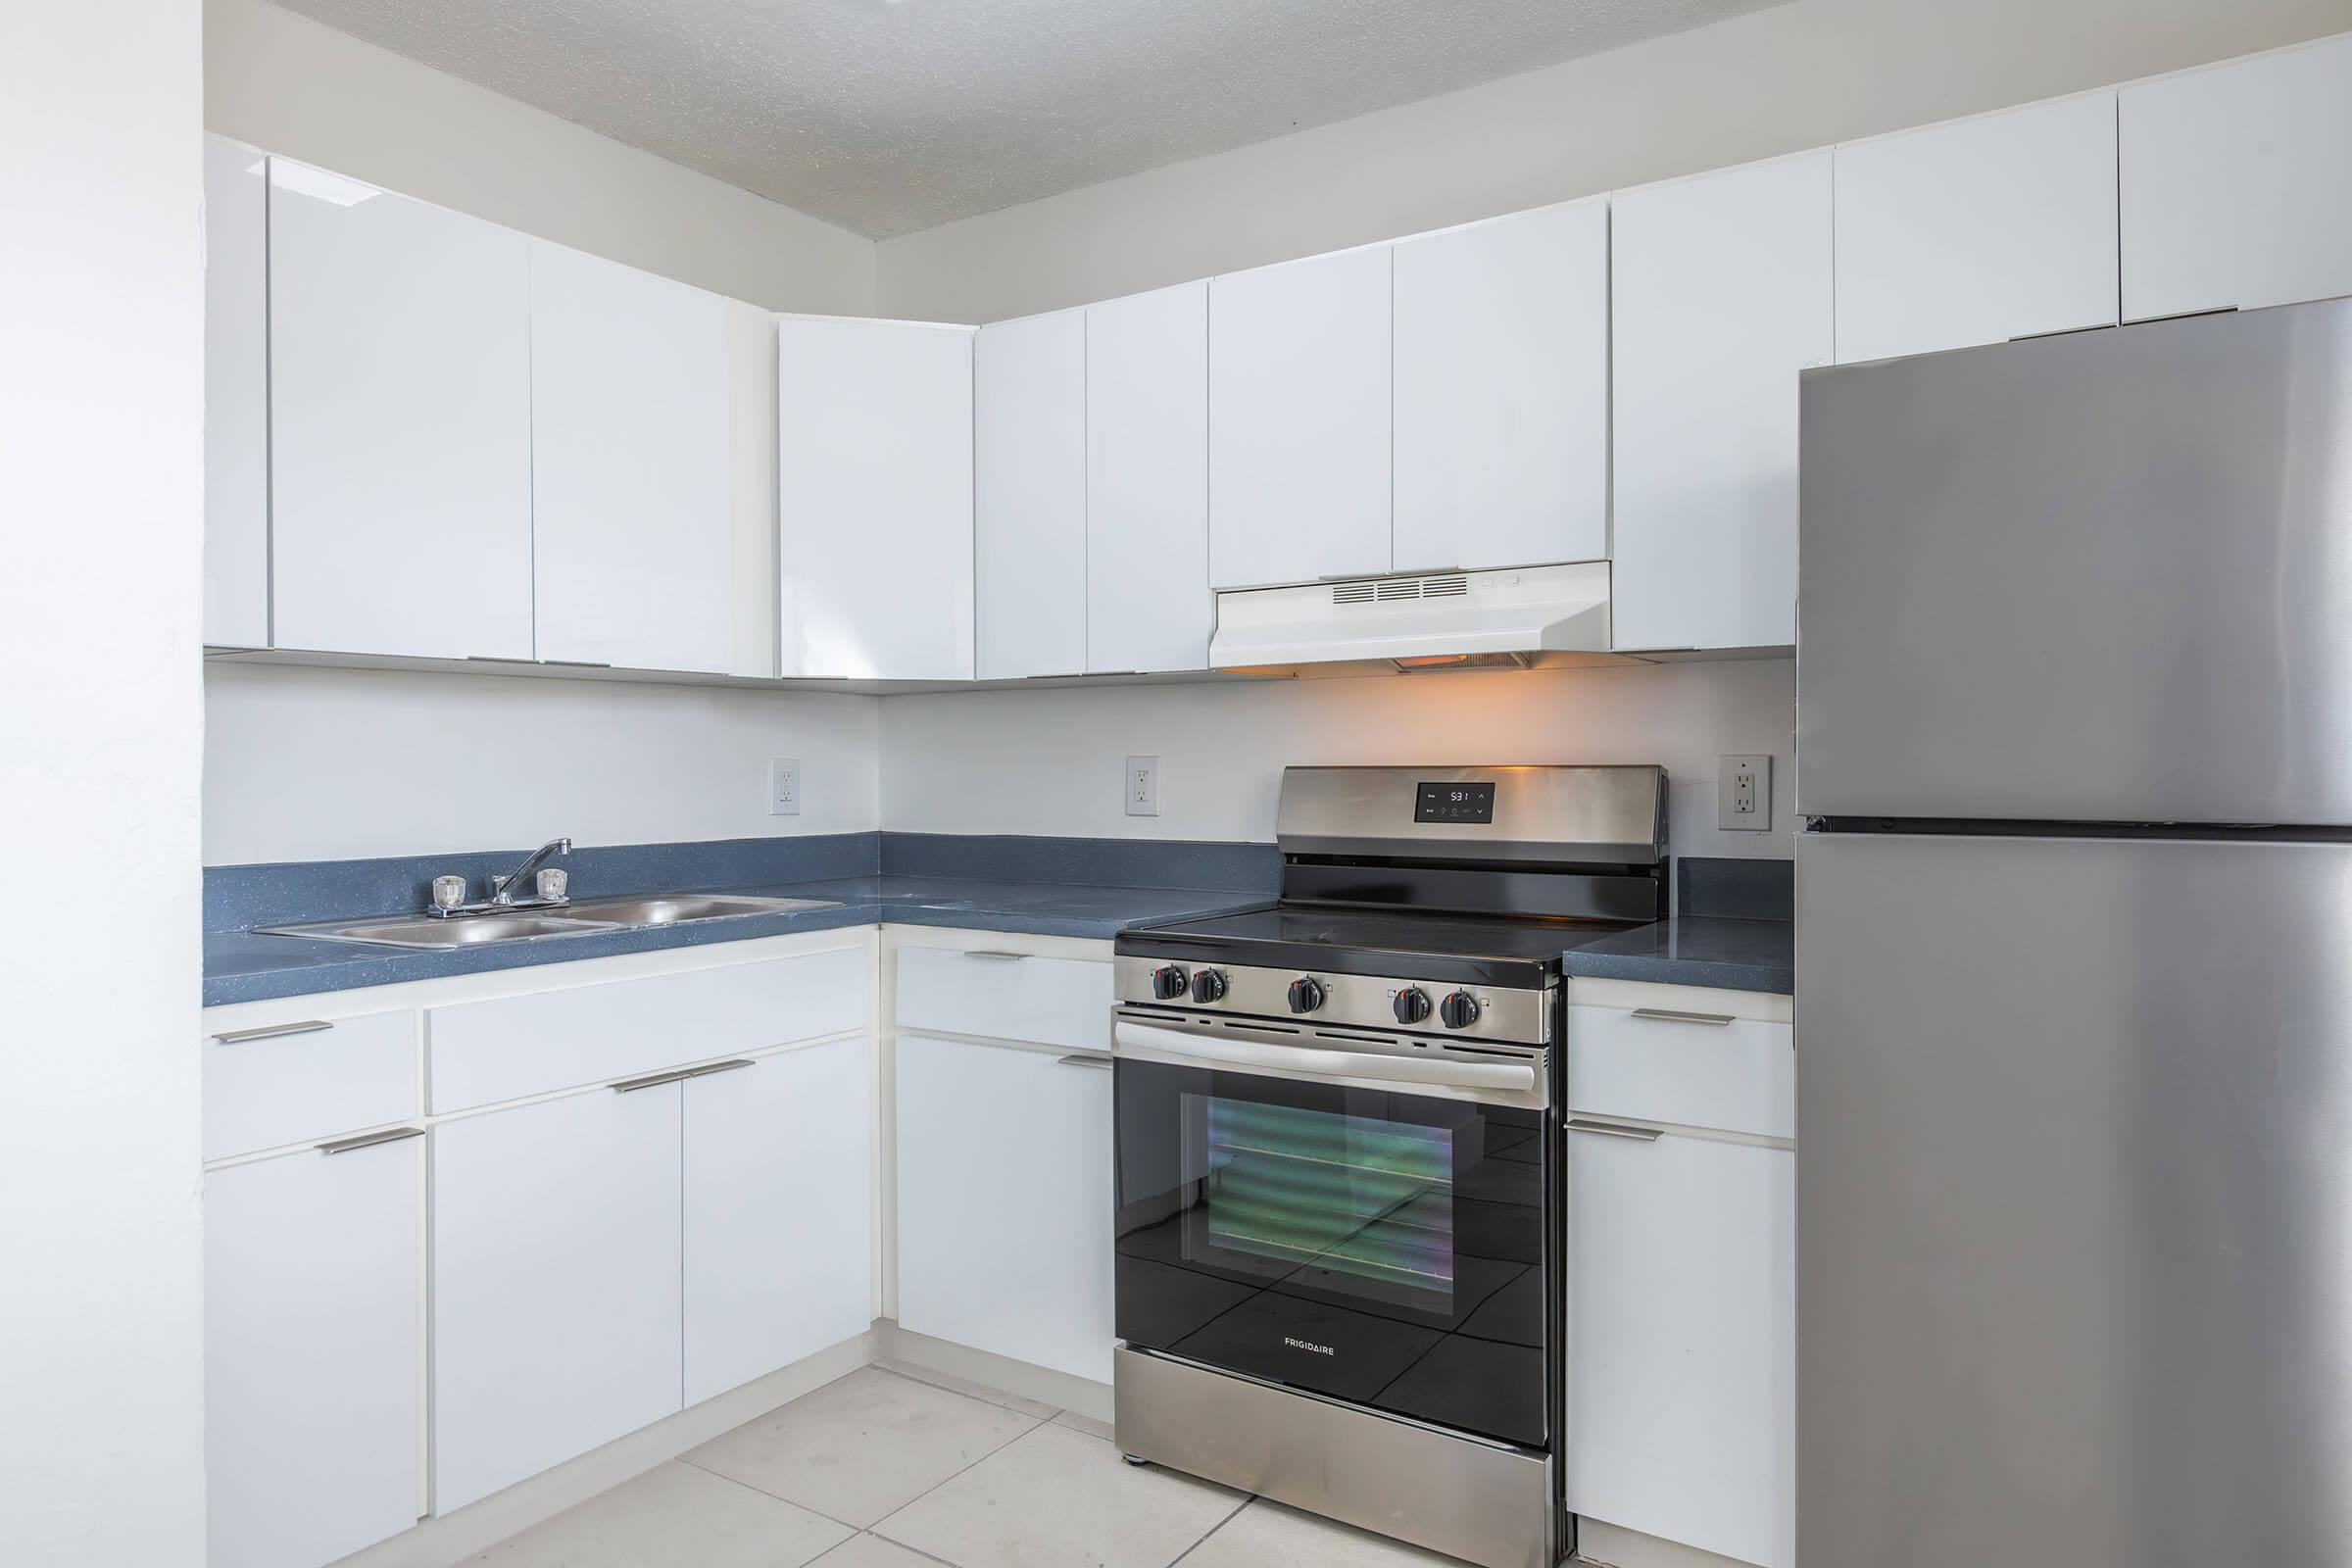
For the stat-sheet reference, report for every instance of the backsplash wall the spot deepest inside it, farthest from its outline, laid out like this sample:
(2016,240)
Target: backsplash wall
(305,764)
(1051,761)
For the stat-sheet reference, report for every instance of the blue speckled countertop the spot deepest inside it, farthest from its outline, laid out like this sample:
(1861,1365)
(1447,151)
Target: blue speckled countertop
(251,966)
(1695,950)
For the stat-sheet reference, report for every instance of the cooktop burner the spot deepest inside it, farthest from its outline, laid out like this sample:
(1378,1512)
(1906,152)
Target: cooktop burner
(1467,949)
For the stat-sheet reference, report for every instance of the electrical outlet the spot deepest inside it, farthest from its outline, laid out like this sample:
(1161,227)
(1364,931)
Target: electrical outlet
(783,785)
(1744,793)
(1143,786)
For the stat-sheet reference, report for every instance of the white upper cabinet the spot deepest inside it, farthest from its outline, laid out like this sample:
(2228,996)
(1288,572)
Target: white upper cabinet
(1502,392)
(874,494)
(1029,496)
(1978,232)
(2237,184)
(633,526)
(1148,604)
(1721,294)
(1299,421)
(236,395)
(400,403)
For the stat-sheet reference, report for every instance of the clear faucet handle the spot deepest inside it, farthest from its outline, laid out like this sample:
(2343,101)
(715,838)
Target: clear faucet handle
(554,883)
(448,891)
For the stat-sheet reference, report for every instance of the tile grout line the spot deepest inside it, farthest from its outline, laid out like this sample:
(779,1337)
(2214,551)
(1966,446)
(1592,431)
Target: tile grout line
(1246,1500)
(876,1527)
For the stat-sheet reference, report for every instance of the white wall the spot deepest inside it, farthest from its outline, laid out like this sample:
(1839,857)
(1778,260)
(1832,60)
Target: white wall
(101,402)
(1051,761)
(1802,75)
(291,85)
(305,764)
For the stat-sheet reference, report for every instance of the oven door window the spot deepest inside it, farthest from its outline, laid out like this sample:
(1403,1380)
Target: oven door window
(1381,1247)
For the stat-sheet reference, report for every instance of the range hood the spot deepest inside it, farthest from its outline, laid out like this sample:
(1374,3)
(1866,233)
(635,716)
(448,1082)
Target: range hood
(1524,617)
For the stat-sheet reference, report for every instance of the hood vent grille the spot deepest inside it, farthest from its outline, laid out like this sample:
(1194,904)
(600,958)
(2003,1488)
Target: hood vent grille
(1389,590)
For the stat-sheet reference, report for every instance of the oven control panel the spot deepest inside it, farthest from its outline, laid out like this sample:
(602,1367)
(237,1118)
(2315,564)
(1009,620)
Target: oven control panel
(1521,1016)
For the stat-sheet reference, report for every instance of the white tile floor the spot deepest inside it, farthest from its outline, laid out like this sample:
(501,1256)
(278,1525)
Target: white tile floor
(892,1467)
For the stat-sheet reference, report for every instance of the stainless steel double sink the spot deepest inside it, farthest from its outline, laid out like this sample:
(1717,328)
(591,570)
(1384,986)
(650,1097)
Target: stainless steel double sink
(581,917)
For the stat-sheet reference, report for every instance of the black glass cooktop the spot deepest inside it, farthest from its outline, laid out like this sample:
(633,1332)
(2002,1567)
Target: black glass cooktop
(1514,950)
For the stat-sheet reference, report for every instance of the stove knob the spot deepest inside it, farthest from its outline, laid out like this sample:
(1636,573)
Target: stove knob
(1307,994)
(1413,1006)
(1208,986)
(1458,1011)
(1169,983)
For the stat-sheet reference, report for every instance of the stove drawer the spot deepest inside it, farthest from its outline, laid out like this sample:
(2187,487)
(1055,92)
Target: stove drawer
(1689,1068)
(1006,995)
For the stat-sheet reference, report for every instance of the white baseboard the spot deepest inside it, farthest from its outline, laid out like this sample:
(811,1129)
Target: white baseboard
(452,1537)
(1061,1389)
(1619,1547)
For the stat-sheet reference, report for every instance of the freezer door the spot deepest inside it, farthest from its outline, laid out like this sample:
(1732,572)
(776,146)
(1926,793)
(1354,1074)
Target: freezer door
(2098,577)
(2075,1203)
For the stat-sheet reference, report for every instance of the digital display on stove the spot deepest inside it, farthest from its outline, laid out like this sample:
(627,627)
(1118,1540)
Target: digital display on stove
(1454,803)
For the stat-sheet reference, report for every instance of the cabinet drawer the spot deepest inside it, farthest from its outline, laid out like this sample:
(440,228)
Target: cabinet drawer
(1693,1068)
(306,1080)
(1053,1002)
(486,1052)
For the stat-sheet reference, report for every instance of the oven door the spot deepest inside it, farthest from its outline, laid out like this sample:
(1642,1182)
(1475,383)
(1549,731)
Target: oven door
(1367,1219)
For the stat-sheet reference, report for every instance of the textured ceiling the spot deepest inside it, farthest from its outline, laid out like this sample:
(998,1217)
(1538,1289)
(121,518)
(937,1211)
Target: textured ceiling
(890,116)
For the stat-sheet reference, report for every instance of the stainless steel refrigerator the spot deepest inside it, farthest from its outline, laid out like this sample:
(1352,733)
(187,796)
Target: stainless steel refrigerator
(2074,952)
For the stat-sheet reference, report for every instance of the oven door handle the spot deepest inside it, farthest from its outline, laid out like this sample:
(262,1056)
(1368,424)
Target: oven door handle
(1474,1080)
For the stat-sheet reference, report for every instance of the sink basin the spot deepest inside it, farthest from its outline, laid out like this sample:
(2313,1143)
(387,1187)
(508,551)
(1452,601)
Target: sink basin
(656,908)
(464,931)
(577,919)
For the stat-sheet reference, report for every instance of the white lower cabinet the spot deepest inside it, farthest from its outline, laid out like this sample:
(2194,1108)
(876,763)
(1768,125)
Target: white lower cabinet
(1005,1201)
(557,1293)
(779,1212)
(1682,1364)
(313,1351)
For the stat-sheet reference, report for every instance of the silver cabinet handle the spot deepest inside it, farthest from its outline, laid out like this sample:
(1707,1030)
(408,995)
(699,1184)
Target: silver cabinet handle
(1082,1062)
(629,1086)
(1669,1015)
(397,1135)
(722,1066)
(984,952)
(1612,1129)
(309,1026)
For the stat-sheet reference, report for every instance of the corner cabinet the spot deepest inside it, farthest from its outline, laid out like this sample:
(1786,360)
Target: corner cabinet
(1299,421)
(874,499)
(1004,1199)
(1721,295)
(2236,189)
(400,411)
(1029,486)
(1148,602)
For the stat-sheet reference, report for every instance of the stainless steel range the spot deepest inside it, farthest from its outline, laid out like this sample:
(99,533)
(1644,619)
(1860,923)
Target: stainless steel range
(1340,1218)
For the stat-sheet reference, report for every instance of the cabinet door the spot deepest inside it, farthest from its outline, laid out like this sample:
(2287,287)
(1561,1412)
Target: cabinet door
(1978,232)
(400,399)
(1148,604)
(1721,295)
(1029,496)
(556,1323)
(2236,189)
(1005,1201)
(779,1212)
(1299,421)
(1502,392)
(236,395)
(1682,1364)
(314,1354)
(632,521)
(874,495)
